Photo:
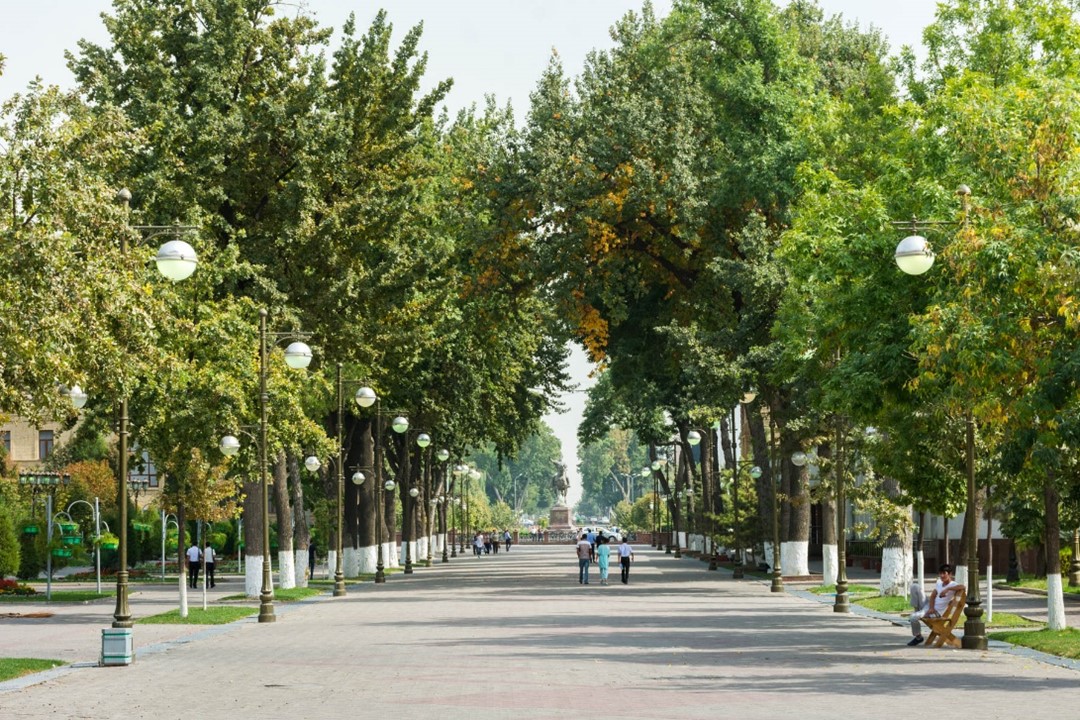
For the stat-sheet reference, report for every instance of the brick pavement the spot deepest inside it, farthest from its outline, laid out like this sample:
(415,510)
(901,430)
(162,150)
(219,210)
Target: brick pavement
(514,634)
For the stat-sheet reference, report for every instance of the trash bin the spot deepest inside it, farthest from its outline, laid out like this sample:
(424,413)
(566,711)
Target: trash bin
(116,647)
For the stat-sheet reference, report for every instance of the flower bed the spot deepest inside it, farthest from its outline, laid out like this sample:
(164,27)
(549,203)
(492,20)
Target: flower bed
(11,587)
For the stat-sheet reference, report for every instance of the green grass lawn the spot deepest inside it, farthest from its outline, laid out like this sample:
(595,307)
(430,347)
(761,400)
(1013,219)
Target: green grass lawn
(1063,643)
(58,596)
(1040,584)
(11,668)
(852,589)
(198,616)
(284,595)
(887,604)
(1010,620)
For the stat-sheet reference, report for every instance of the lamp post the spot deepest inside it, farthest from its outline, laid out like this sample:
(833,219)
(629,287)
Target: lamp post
(388,486)
(693,438)
(444,456)
(176,261)
(914,257)
(655,504)
(364,398)
(297,357)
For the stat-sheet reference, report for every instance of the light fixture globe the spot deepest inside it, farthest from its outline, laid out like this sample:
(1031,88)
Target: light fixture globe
(413,492)
(389,485)
(365,397)
(423,440)
(176,260)
(312,463)
(646,471)
(913,255)
(798,458)
(358,478)
(298,355)
(78,397)
(689,492)
(755,472)
(443,455)
(656,464)
(693,437)
(749,396)
(400,424)
(229,445)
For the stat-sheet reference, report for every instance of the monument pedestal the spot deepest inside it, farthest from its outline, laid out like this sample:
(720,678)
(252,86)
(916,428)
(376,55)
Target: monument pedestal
(559,518)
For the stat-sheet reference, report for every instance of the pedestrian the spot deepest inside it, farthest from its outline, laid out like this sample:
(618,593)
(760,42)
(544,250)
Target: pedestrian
(486,543)
(591,536)
(603,555)
(507,538)
(494,535)
(193,557)
(311,559)
(944,589)
(625,556)
(584,556)
(210,560)
(478,544)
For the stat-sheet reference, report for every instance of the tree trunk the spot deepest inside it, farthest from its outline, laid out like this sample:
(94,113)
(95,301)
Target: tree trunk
(253,536)
(830,568)
(795,548)
(896,571)
(302,532)
(286,559)
(1055,600)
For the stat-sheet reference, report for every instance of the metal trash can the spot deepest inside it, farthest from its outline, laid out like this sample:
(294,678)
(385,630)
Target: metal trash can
(116,647)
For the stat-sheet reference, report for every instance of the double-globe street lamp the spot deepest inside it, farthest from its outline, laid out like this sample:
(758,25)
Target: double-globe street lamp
(914,257)
(737,572)
(176,260)
(297,357)
(443,456)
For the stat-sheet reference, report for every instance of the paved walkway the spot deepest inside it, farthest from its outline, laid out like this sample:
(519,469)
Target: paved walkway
(514,635)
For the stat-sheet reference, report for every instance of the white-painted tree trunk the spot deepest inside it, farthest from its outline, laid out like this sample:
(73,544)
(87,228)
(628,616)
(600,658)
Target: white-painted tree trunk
(1055,603)
(183,594)
(961,575)
(253,575)
(830,564)
(920,567)
(422,549)
(350,562)
(367,559)
(390,555)
(795,558)
(895,571)
(286,569)
(331,563)
(708,545)
(682,540)
(767,558)
(300,563)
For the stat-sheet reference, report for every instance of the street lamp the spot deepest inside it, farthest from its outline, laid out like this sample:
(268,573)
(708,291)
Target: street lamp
(364,398)
(443,455)
(176,260)
(694,439)
(914,257)
(297,357)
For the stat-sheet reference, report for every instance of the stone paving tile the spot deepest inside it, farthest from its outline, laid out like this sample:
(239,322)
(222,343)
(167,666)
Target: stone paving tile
(514,635)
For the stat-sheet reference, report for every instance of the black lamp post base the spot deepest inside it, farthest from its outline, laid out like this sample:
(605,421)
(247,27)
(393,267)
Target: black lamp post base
(266,612)
(777,583)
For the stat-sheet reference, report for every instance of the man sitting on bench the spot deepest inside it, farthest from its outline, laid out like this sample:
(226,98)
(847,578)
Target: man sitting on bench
(944,590)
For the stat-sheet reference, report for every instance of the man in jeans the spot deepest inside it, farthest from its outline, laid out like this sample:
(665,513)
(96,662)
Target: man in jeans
(625,556)
(944,590)
(584,557)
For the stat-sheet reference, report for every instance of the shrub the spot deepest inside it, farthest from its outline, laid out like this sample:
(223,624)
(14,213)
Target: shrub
(31,562)
(10,551)
(11,587)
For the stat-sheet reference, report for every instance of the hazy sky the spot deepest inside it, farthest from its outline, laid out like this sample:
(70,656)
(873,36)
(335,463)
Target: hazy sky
(486,46)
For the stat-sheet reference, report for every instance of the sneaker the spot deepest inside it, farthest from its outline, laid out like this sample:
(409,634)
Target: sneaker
(915,641)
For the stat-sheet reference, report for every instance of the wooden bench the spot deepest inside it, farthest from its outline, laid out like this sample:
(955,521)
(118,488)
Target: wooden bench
(942,626)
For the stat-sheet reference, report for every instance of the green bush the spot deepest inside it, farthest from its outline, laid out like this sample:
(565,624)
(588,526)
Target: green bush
(10,551)
(31,560)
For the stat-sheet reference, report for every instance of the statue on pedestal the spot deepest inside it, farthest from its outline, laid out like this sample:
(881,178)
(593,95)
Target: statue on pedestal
(560,484)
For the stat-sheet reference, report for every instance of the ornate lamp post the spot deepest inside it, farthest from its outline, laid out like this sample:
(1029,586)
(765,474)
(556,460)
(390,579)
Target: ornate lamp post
(914,257)
(737,573)
(443,456)
(176,260)
(693,438)
(298,357)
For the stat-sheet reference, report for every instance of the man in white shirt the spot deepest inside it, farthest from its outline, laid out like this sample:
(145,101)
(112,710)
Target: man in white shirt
(209,557)
(625,556)
(193,557)
(944,590)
